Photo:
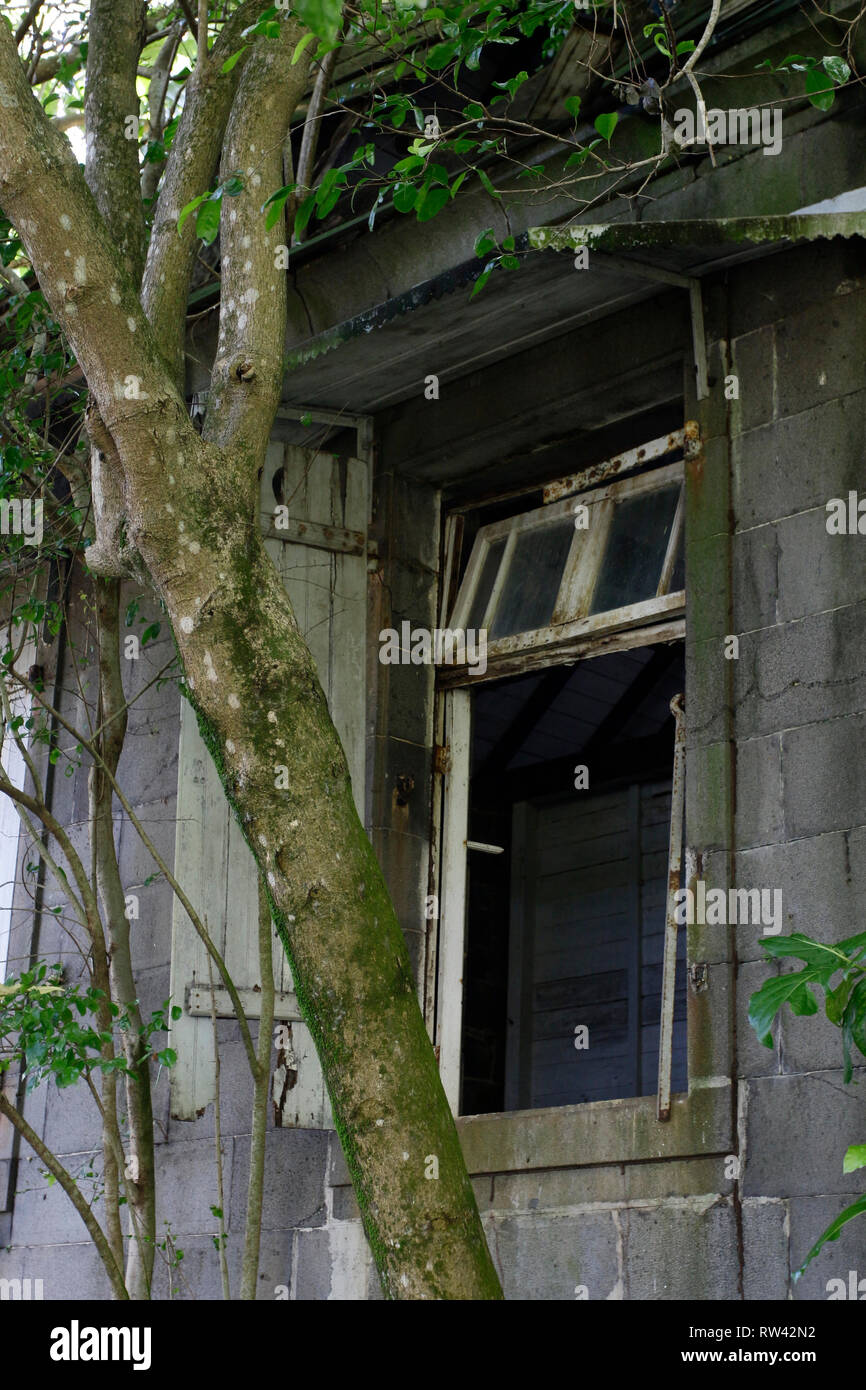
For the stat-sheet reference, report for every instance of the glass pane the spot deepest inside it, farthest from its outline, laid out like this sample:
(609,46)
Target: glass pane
(534,576)
(636,549)
(484,587)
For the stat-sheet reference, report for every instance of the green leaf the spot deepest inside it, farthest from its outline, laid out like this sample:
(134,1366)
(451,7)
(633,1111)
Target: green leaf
(819,90)
(485,242)
(301,45)
(190,207)
(233,186)
(836,1000)
(440,56)
(207,222)
(822,958)
(483,278)
(304,212)
(322,16)
(853,946)
(855,1157)
(176,1012)
(276,203)
(235,58)
(854,1028)
(150,634)
(405,196)
(431,202)
(687,46)
(485,179)
(473,112)
(857,1208)
(781,989)
(409,164)
(606,125)
(328,204)
(578,157)
(572,106)
(838,69)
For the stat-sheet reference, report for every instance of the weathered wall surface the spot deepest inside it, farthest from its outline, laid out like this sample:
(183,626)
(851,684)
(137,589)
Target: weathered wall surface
(776,801)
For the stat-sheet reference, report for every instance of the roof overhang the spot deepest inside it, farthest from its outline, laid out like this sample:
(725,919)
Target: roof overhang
(378,357)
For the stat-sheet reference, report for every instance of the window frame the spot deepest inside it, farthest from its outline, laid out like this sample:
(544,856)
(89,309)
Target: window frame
(699,1121)
(579,574)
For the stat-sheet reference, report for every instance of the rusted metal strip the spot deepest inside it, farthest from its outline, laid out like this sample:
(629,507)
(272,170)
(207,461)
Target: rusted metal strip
(675,859)
(614,467)
(198,1004)
(322,537)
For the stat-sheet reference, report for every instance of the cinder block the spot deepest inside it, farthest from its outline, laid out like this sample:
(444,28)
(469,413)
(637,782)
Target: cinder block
(819,894)
(43,1214)
(801,672)
(820,353)
(824,778)
(765,1250)
(335,1265)
(187,1182)
(681,1250)
(798,1128)
(818,571)
(754,366)
(755,581)
(759,782)
(546,1257)
(775,472)
(67,1271)
(294,1179)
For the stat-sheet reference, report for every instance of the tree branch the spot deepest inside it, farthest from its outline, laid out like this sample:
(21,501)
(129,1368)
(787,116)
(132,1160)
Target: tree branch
(27,20)
(190,167)
(248,371)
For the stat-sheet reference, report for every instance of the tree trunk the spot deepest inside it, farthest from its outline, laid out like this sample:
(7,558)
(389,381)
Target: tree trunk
(190,509)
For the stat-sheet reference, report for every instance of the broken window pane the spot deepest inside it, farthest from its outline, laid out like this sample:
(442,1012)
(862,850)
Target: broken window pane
(636,549)
(534,576)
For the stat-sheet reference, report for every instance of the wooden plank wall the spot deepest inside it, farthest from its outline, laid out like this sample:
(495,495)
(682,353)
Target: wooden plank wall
(589,889)
(328,593)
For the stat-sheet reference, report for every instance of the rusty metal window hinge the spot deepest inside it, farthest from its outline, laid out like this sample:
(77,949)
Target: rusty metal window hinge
(441,759)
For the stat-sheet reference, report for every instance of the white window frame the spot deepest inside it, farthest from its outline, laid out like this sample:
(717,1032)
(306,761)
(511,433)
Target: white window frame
(658,618)
(579,576)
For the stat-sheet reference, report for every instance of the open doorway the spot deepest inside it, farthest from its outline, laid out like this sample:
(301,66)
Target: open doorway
(567,883)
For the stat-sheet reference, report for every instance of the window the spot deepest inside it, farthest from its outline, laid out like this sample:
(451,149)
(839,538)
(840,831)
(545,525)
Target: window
(585,566)
(559,798)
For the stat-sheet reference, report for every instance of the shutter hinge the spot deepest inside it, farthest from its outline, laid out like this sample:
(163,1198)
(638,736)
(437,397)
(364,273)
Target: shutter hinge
(441,759)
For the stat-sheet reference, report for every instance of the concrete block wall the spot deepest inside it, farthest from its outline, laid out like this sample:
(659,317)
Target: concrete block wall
(796,438)
(790,328)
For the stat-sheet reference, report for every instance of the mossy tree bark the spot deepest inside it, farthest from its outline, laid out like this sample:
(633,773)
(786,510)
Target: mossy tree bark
(187,509)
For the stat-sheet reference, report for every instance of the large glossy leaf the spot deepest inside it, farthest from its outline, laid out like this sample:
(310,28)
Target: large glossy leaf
(790,989)
(823,958)
(855,1157)
(854,1027)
